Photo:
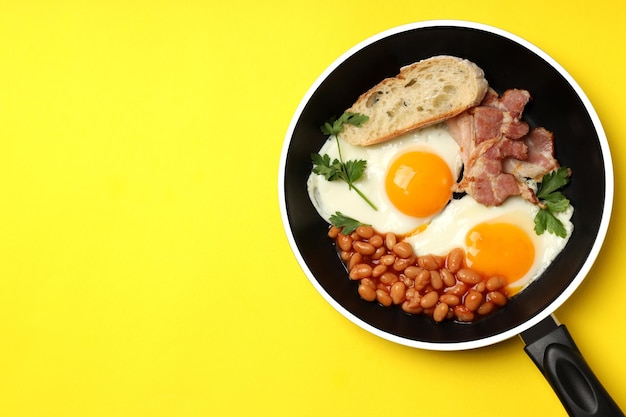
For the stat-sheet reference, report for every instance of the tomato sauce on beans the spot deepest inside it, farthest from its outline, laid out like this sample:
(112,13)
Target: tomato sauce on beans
(390,273)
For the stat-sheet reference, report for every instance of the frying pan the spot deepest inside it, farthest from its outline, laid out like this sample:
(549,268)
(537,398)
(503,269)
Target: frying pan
(559,105)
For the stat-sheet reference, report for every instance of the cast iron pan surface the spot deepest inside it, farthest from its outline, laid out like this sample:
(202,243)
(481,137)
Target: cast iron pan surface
(557,104)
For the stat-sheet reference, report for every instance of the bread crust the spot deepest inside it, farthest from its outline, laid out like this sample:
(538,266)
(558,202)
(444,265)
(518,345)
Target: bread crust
(422,94)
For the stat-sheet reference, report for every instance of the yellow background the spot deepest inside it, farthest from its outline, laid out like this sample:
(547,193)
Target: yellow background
(144,270)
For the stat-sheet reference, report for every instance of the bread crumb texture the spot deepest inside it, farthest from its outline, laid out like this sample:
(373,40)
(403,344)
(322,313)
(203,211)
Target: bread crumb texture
(422,94)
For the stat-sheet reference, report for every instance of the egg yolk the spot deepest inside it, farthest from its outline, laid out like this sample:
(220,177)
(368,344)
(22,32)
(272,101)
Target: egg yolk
(419,184)
(499,249)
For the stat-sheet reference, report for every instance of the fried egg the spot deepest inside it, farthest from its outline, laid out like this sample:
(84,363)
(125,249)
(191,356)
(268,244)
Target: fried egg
(497,240)
(408,179)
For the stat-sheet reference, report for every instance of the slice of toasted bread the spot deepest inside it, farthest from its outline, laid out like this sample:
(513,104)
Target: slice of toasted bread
(422,94)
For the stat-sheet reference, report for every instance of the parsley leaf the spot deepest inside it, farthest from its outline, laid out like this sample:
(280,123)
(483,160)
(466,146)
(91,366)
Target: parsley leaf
(553,201)
(557,206)
(552,182)
(335,126)
(347,224)
(337,169)
(350,171)
(546,220)
(353,170)
(323,166)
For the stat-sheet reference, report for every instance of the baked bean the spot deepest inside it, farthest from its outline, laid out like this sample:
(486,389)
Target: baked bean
(486,308)
(468,276)
(429,299)
(384,298)
(333,232)
(376,241)
(463,313)
(428,262)
(414,302)
(435,279)
(458,289)
(497,298)
(398,292)
(407,307)
(455,260)
(356,258)
(441,312)
(360,271)
(379,253)
(409,282)
(411,293)
(473,300)
(365,232)
(401,264)
(387,259)
(429,311)
(344,242)
(423,276)
(390,240)
(450,299)
(402,249)
(495,283)
(363,248)
(422,279)
(448,277)
(367,293)
(368,282)
(379,270)
(412,271)
(388,278)
(391,273)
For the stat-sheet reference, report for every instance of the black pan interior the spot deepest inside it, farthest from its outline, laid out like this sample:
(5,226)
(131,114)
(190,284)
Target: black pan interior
(507,64)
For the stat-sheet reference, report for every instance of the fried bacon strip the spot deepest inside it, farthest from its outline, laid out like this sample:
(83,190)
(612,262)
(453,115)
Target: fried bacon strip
(499,150)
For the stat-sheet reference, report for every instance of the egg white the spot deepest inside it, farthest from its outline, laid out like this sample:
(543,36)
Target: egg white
(448,230)
(329,197)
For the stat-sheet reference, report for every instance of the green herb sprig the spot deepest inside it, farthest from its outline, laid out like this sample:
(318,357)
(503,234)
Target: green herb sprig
(335,126)
(553,201)
(348,171)
(348,224)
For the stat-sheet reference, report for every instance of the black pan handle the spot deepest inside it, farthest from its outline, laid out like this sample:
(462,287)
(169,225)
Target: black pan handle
(553,350)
